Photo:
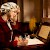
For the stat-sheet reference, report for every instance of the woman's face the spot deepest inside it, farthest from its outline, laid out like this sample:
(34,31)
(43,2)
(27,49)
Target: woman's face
(13,14)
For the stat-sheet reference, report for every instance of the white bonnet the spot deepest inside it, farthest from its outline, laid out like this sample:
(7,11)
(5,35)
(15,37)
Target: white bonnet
(8,6)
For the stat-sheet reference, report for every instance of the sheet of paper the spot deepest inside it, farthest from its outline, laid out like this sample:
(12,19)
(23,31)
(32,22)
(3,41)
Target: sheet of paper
(44,31)
(34,41)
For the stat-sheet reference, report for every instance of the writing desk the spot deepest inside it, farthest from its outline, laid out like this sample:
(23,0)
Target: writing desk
(32,44)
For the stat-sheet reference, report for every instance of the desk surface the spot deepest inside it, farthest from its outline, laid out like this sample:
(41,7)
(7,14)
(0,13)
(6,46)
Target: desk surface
(34,44)
(31,47)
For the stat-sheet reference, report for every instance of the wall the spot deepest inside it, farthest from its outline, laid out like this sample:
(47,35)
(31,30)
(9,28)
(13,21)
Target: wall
(34,8)
(28,9)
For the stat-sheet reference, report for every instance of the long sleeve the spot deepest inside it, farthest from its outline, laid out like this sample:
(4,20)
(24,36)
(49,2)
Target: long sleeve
(4,36)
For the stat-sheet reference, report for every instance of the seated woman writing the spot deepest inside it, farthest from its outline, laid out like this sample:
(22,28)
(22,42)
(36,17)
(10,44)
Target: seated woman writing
(8,18)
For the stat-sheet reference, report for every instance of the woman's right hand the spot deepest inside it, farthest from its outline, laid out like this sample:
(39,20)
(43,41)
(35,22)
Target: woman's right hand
(15,42)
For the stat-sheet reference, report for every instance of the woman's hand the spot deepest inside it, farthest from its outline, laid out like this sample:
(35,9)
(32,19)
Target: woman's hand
(18,41)
(15,42)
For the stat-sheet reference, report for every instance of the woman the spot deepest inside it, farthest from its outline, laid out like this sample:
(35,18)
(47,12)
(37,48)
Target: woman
(8,18)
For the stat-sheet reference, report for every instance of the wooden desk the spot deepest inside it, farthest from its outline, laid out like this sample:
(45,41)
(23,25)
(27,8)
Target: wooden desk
(31,47)
(33,44)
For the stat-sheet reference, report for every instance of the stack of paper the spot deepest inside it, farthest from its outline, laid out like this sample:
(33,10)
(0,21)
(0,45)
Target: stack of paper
(34,41)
